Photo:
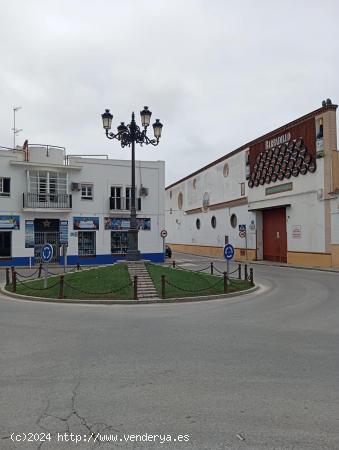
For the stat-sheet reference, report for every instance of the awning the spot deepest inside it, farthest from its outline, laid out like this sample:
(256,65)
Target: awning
(262,207)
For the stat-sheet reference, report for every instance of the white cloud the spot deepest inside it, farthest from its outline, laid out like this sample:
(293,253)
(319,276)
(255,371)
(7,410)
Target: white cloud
(217,73)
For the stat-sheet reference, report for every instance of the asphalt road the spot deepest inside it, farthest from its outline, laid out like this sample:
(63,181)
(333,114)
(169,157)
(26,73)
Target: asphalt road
(255,372)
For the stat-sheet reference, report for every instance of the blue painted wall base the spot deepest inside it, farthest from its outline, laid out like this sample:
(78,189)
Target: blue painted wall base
(73,260)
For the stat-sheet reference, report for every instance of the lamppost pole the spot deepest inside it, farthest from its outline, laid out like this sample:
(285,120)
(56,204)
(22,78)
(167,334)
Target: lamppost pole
(133,253)
(128,136)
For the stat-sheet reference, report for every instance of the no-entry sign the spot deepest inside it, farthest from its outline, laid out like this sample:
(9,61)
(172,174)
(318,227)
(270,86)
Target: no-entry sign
(242,231)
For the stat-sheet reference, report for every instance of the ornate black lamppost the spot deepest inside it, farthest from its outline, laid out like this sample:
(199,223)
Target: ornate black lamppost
(128,135)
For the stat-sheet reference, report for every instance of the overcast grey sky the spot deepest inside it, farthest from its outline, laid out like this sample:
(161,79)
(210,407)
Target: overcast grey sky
(217,73)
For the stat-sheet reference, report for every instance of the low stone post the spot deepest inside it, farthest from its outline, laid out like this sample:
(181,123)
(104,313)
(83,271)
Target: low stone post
(135,286)
(246,273)
(212,268)
(14,281)
(163,282)
(251,277)
(7,277)
(239,271)
(62,287)
(225,283)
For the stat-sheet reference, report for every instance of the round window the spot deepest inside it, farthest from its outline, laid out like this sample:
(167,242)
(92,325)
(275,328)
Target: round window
(225,170)
(180,200)
(213,222)
(233,220)
(197,223)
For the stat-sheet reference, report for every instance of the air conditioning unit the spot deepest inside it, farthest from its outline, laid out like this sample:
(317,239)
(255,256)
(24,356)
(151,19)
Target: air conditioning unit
(143,192)
(75,186)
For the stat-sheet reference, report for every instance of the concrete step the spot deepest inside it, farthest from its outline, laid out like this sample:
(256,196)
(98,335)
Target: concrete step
(146,287)
(138,272)
(145,294)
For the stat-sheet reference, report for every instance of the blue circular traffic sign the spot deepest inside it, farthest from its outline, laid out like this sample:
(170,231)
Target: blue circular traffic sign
(228,251)
(47,253)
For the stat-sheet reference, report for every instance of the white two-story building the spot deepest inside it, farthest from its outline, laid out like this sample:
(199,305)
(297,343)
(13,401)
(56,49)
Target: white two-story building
(80,205)
(275,198)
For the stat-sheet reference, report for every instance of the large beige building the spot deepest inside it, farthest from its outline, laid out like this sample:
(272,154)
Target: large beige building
(275,198)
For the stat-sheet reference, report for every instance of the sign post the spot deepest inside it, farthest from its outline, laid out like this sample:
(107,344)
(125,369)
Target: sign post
(228,254)
(243,234)
(163,234)
(64,254)
(46,256)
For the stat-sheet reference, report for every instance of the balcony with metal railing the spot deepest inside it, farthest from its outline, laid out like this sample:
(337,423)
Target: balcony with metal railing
(123,203)
(47,201)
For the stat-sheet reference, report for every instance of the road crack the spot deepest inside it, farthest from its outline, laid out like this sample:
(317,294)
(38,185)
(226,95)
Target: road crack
(92,430)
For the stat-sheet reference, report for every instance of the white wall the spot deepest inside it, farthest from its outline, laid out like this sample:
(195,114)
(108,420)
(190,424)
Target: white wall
(306,210)
(102,173)
(306,200)
(181,226)
(335,220)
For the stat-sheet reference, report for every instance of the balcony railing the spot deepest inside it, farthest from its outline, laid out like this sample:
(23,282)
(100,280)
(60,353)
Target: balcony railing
(123,203)
(35,200)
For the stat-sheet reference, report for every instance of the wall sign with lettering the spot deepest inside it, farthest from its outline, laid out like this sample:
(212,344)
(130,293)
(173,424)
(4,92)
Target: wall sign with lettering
(281,162)
(119,223)
(296,231)
(29,233)
(86,223)
(9,222)
(63,231)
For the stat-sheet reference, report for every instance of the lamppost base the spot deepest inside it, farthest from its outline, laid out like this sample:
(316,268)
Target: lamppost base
(133,255)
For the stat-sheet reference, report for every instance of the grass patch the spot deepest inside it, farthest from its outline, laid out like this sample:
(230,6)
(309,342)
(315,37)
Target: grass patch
(184,283)
(95,283)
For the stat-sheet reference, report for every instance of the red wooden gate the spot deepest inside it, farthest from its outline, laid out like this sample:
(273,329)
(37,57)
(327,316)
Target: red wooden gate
(274,234)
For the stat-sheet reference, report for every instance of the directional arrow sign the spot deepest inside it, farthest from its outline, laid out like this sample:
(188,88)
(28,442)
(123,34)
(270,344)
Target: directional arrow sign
(47,253)
(228,252)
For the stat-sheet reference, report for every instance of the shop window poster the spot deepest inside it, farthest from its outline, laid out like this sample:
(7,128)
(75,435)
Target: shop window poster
(9,222)
(86,223)
(119,223)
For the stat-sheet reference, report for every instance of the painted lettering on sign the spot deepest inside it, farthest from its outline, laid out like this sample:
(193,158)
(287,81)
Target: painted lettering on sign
(278,140)
(296,231)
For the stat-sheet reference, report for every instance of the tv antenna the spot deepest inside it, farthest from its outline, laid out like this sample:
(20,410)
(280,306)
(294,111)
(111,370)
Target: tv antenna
(14,129)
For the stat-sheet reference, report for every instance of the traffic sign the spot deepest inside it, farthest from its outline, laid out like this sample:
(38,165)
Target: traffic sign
(228,252)
(163,233)
(242,231)
(46,253)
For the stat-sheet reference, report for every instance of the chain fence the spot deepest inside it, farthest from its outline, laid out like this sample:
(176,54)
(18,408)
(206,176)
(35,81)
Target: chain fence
(36,288)
(72,270)
(194,290)
(111,291)
(28,276)
(211,267)
(61,282)
(222,272)
(188,270)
